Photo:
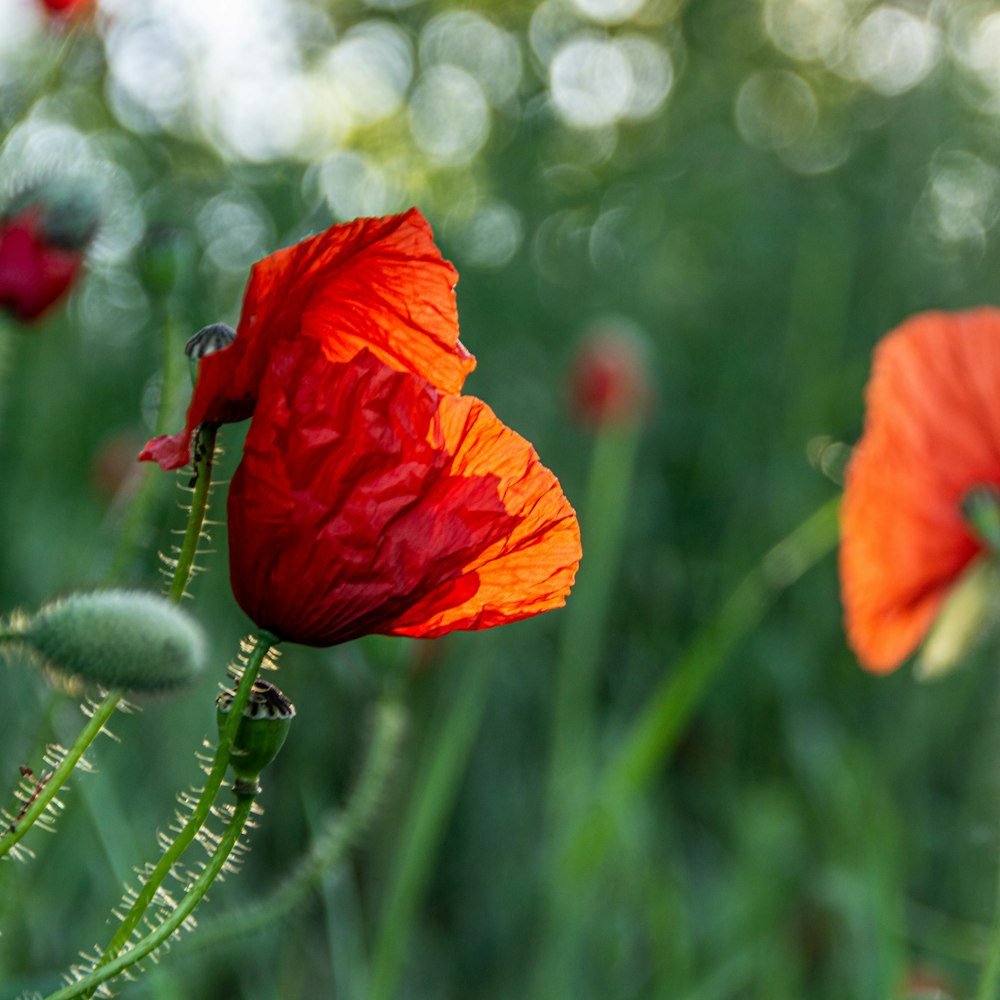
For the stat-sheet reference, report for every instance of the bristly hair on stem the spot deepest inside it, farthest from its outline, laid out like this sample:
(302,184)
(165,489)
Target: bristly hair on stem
(180,567)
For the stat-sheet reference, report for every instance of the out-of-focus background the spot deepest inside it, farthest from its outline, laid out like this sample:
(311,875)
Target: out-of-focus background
(748,193)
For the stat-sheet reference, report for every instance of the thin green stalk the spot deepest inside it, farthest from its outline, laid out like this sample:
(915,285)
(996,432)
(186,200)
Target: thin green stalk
(989,982)
(433,793)
(582,637)
(138,510)
(204,459)
(47,792)
(335,838)
(584,620)
(206,799)
(171,923)
(652,738)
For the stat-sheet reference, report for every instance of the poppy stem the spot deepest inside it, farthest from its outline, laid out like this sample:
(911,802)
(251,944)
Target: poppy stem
(88,984)
(200,813)
(100,715)
(338,833)
(643,751)
(40,801)
(990,979)
(138,510)
(193,534)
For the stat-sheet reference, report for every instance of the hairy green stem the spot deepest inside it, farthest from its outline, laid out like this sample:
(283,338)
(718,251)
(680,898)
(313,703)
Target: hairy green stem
(104,711)
(55,782)
(339,832)
(206,799)
(204,458)
(171,923)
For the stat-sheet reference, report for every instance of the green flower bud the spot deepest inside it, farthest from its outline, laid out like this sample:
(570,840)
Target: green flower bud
(266,720)
(164,258)
(119,638)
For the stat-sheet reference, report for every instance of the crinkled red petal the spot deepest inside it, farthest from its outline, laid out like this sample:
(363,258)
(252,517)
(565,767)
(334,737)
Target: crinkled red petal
(369,502)
(376,284)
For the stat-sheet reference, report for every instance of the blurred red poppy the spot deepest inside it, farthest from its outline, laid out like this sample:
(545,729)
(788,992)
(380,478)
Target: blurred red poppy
(369,502)
(931,437)
(35,270)
(371,497)
(64,8)
(609,384)
(379,284)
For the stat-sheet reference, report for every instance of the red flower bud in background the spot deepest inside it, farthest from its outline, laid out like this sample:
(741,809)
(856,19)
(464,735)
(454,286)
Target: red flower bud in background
(43,237)
(65,8)
(609,383)
(371,497)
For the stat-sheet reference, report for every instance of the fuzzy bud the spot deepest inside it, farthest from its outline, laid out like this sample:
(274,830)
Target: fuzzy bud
(266,720)
(118,638)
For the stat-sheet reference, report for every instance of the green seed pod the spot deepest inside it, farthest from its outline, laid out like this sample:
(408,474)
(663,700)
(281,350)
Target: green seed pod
(119,638)
(266,720)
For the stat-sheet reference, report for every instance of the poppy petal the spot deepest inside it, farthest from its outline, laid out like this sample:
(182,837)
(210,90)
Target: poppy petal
(369,502)
(932,433)
(377,284)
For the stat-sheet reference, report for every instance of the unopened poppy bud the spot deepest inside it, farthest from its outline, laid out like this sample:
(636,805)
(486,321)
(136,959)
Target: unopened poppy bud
(208,340)
(118,638)
(609,383)
(967,613)
(266,720)
(163,258)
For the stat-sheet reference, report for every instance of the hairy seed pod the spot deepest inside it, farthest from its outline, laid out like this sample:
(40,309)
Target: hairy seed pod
(118,638)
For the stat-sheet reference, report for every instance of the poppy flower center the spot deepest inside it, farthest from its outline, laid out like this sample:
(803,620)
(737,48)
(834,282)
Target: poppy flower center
(981,510)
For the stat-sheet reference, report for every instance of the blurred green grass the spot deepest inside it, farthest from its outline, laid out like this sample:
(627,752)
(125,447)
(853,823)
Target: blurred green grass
(817,832)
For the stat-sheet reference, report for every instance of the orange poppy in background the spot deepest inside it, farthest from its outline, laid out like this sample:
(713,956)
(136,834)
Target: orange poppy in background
(371,496)
(931,437)
(376,284)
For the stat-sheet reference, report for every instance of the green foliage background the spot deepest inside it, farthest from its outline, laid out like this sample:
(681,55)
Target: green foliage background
(816,832)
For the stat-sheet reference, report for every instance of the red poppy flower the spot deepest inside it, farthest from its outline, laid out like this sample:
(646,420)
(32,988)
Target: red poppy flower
(369,502)
(64,8)
(371,497)
(932,435)
(378,284)
(35,271)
